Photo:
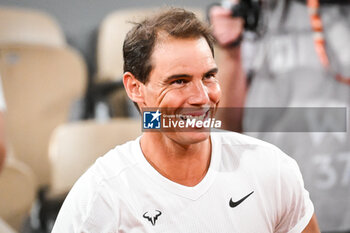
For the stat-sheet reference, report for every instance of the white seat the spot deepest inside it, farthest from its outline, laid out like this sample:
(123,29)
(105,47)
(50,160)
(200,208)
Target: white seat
(17,192)
(27,26)
(40,84)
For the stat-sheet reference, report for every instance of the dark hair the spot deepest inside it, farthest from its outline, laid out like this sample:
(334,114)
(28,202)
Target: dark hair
(141,39)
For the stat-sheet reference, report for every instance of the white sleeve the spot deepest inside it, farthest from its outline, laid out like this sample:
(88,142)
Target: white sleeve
(87,209)
(296,208)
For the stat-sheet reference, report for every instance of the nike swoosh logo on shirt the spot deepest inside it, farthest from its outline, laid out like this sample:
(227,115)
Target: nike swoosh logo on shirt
(233,204)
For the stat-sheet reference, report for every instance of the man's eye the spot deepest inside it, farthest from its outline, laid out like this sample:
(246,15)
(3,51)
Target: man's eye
(178,81)
(210,76)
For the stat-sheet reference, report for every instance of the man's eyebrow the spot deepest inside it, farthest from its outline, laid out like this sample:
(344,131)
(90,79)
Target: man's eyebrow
(176,76)
(212,71)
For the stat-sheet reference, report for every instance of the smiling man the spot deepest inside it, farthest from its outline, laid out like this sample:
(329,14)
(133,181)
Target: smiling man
(184,181)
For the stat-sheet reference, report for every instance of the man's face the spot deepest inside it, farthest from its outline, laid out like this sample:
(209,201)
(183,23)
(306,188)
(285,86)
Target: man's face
(184,79)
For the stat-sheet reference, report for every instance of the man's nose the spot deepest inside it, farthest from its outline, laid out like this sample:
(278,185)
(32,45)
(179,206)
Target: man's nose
(198,94)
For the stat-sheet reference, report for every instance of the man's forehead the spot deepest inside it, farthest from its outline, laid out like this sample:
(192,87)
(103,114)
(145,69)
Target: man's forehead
(164,38)
(167,43)
(172,57)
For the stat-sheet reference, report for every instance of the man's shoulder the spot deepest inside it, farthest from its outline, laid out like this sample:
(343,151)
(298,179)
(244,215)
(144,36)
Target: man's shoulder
(116,161)
(236,146)
(237,139)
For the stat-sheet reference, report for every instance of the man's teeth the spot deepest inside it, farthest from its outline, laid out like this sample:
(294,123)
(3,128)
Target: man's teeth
(190,117)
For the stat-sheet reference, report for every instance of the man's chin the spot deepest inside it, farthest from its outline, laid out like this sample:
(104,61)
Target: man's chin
(192,137)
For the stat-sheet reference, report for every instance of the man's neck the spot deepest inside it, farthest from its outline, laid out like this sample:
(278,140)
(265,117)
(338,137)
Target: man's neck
(186,165)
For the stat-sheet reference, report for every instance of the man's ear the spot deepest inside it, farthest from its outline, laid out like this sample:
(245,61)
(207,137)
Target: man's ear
(133,87)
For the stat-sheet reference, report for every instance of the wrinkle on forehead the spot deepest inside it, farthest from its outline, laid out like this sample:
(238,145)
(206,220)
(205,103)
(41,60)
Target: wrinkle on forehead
(164,37)
(167,43)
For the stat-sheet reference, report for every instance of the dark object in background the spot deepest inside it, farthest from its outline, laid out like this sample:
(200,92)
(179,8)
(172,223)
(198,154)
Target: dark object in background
(248,10)
(43,213)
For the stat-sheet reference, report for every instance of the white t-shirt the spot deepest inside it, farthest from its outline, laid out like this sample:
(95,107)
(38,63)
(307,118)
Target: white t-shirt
(122,192)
